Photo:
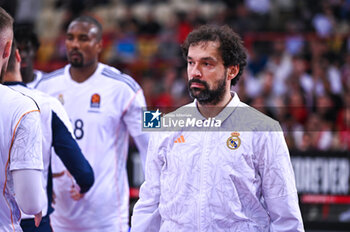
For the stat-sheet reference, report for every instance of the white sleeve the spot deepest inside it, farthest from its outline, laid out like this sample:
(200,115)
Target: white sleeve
(142,144)
(26,163)
(146,215)
(133,119)
(132,113)
(278,183)
(26,151)
(29,191)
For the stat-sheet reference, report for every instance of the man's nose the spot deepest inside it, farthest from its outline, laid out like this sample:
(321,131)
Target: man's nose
(75,43)
(195,71)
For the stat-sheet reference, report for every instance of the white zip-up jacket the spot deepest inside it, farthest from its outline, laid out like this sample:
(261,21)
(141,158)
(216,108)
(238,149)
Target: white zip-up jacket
(237,178)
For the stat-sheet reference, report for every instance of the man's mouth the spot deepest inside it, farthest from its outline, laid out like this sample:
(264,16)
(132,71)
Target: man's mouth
(197,85)
(75,54)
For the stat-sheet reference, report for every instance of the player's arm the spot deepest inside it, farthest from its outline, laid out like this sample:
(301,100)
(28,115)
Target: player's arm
(146,215)
(278,183)
(141,142)
(29,192)
(26,165)
(70,153)
(133,120)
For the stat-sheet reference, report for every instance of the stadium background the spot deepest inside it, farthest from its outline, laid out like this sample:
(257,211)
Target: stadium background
(298,73)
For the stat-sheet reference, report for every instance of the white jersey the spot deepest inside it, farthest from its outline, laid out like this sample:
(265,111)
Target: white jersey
(20,148)
(104,109)
(237,178)
(37,77)
(46,104)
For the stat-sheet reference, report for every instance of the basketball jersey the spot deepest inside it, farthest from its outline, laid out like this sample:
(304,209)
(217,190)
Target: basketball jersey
(20,148)
(46,104)
(104,110)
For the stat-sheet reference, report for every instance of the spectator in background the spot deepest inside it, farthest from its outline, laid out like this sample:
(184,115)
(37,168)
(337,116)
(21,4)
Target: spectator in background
(345,73)
(168,46)
(185,25)
(280,63)
(27,11)
(324,22)
(320,132)
(297,108)
(149,26)
(344,130)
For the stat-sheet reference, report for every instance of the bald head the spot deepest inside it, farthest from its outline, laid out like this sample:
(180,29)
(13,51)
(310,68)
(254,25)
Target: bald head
(6,36)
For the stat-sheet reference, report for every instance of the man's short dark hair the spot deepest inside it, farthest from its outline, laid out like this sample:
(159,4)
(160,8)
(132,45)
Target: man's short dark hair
(6,21)
(91,20)
(25,33)
(231,45)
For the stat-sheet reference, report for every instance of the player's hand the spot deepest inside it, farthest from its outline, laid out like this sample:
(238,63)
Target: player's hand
(37,218)
(75,193)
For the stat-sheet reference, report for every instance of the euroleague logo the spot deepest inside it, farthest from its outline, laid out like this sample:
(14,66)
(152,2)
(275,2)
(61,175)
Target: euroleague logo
(95,101)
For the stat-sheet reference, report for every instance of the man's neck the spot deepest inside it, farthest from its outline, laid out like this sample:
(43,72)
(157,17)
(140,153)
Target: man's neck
(81,74)
(12,77)
(212,110)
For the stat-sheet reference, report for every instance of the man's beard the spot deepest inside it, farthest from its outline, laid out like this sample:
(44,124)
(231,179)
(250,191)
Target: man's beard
(77,63)
(208,96)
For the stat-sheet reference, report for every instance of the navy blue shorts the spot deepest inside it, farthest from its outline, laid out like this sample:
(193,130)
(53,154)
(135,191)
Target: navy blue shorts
(28,225)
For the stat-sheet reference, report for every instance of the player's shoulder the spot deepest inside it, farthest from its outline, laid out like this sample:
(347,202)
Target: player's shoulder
(39,94)
(12,99)
(254,119)
(117,77)
(46,77)
(185,110)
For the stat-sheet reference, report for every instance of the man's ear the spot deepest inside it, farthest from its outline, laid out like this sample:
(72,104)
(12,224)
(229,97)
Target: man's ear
(232,72)
(99,46)
(18,56)
(7,49)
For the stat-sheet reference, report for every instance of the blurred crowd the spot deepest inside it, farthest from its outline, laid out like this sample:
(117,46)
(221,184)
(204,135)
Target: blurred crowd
(299,55)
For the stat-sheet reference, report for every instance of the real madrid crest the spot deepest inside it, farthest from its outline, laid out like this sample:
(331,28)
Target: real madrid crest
(234,141)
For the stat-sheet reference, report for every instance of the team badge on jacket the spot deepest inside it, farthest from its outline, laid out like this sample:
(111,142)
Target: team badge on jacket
(233,142)
(95,101)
